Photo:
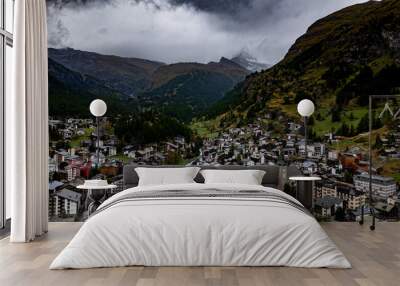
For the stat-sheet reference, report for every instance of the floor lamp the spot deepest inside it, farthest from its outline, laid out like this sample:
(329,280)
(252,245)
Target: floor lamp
(98,108)
(305,108)
(305,185)
(371,119)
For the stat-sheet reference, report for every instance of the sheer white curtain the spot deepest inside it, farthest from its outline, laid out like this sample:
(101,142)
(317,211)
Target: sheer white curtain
(27,124)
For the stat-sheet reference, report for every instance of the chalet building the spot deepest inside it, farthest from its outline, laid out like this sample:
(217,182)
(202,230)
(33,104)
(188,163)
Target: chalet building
(327,206)
(67,133)
(289,151)
(80,132)
(349,161)
(387,211)
(363,166)
(53,166)
(171,147)
(54,186)
(333,155)
(290,144)
(352,199)
(72,171)
(131,154)
(145,153)
(64,202)
(101,160)
(85,143)
(61,156)
(382,187)
(109,170)
(294,126)
(309,167)
(64,156)
(85,170)
(55,123)
(325,188)
(109,150)
(316,150)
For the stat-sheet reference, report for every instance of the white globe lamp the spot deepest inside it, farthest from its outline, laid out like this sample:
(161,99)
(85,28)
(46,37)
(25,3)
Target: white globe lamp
(305,108)
(98,108)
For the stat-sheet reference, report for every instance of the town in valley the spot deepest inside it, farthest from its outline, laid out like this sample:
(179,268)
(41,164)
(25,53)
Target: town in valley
(340,195)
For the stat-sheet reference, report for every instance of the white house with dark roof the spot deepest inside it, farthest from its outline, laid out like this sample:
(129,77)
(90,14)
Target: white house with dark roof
(64,202)
(54,185)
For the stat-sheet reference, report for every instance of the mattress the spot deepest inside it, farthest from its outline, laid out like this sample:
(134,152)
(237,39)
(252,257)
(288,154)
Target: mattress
(201,225)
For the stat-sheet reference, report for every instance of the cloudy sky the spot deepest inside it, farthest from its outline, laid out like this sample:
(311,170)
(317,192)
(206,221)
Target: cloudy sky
(185,30)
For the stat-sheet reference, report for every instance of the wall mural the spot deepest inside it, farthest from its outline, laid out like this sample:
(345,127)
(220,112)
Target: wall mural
(193,82)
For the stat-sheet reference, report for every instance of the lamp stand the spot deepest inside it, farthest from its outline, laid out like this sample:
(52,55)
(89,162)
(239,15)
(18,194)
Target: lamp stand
(305,136)
(97,142)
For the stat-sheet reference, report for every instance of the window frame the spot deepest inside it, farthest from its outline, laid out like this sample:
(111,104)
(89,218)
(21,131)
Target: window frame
(6,39)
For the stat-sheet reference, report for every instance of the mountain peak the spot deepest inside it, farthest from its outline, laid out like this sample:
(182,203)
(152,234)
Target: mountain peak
(245,54)
(249,62)
(226,61)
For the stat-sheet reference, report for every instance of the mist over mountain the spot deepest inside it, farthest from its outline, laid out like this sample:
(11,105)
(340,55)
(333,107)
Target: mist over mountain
(249,62)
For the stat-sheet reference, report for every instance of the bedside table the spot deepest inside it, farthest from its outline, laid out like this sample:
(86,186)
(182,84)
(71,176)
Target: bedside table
(304,191)
(97,192)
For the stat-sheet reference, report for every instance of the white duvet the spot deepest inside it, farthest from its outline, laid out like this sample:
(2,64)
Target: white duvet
(202,232)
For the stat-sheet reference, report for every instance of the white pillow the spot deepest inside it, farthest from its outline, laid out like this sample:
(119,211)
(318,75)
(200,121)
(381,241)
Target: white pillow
(166,176)
(248,177)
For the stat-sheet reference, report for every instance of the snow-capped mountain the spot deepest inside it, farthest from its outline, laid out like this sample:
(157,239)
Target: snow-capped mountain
(249,62)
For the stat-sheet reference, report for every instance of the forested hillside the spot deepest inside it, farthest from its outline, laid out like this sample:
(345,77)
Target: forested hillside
(337,63)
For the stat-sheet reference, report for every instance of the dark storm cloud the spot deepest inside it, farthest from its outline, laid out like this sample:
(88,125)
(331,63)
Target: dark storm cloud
(216,6)
(80,3)
(223,7)
(185,30)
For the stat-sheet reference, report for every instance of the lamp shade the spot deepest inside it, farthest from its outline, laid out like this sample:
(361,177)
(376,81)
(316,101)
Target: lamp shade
(98,107)
(305,108)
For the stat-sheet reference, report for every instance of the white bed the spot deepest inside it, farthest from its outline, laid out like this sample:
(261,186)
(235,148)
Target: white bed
(200,231)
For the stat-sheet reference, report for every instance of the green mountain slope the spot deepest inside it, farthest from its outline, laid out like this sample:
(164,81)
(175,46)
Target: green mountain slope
(186,90)
(128,76)
(182,90)
(339,61)
(70,94)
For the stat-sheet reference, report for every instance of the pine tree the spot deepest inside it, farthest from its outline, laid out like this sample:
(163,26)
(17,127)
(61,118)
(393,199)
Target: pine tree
(336,114)
(378,142)
(352,131)
(344,130)
(363,125)
(376,123)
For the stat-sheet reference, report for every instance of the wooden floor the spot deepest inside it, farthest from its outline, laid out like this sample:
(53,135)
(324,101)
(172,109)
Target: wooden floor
(375,257)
